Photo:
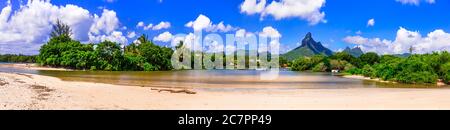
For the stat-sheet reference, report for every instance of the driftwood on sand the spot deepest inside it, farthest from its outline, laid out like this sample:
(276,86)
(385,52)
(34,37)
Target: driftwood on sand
(3,82)
(175,91)
(440,82)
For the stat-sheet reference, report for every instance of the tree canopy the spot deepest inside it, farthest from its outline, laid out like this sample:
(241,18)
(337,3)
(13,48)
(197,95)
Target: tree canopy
(61,29)
(62,51)
(418,68)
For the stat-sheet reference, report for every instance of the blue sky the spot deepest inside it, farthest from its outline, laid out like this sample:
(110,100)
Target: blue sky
(346,21)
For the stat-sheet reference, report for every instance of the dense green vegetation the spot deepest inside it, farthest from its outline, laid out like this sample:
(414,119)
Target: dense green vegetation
(62,51)
(418,68)
(17,58)
(303,51)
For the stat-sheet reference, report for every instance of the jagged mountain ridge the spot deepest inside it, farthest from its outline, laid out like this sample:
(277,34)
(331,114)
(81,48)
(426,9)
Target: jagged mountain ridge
(309,47)
(356,52)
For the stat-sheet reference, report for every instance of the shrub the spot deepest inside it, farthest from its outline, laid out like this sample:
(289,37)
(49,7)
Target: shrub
(338,64)
(354,71)
(149,67)
(385,71)
(369,58)
(348,66)
(62,51)
(302,64)
(368,71)
(446,69)
(417,77)
(321,67)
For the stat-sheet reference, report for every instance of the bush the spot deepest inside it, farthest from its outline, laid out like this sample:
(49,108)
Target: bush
(369,58)
(347,57)
(419,68)
(302,64)
(349,66)
(447,78)
(417,77)
(368,71)
(354,71)
(17,58)
(321,67)
(387,70)
(446,69)
(149,67)
(338,64)
(62,51)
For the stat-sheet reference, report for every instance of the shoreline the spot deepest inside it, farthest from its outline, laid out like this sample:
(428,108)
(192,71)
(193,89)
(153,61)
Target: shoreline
(31,66)
(37,92)
(360,77)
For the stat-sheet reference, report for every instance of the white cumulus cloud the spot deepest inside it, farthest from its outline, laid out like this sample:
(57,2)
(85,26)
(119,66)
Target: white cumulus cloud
(24,30)
(140,24)
(104,28)
(110,1)
(33,22)
(151,26)
(204,23)
(308,10)
(438,40)
(163,37)
(162,25)
(371,22)
(356,39)
(270,32)
(274,42)
(416,2)
(131,34)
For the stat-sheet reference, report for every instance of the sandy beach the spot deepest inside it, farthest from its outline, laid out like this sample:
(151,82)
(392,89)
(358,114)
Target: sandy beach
(36,92)
(360,77)
(32,66)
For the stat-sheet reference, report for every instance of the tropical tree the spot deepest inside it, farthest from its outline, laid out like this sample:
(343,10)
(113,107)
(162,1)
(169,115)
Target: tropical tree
(302,64)
(17,58)
(109,56)
(61,29)
(143,39)
(321,67)
(369,58)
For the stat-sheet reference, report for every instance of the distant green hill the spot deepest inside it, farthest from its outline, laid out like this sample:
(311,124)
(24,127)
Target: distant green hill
(404,55)
(309,47)
(356,52)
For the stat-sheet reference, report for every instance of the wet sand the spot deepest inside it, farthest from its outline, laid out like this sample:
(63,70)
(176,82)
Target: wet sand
(27,91)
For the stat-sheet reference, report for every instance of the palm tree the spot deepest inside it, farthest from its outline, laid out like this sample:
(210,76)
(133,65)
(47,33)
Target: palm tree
(411,49)
(143,38)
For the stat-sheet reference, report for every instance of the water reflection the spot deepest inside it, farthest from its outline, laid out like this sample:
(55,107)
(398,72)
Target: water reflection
(241,79)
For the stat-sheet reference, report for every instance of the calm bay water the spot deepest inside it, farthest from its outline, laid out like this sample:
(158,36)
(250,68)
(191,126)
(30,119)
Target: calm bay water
(216,79)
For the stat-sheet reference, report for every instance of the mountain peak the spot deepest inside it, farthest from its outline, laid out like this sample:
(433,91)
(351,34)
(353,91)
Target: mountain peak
(308,41)
(309,47)
(308,35)
(347,48)
(356,51)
